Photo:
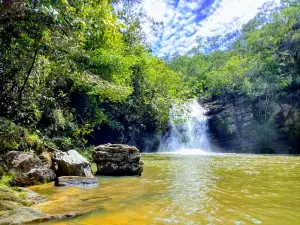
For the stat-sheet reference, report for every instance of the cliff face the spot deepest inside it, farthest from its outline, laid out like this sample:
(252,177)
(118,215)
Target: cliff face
(258,125)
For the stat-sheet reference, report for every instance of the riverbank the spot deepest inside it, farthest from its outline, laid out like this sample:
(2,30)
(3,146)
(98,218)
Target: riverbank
(66,169)
(15,207)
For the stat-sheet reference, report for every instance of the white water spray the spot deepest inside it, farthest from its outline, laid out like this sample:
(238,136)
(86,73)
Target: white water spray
(191,136)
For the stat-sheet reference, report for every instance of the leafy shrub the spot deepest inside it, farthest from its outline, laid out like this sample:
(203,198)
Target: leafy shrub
(64,143)
(10,135)
(87,152)
(7,179)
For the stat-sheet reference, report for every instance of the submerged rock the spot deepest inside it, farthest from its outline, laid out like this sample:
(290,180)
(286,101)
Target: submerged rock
(27,167)
(71,163)
(48,217)
(31,197)
(118,160)
(76,181)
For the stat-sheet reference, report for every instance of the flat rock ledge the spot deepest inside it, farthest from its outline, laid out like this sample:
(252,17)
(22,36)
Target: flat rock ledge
(14,207)
(27,215)
(76,181)
(118,160)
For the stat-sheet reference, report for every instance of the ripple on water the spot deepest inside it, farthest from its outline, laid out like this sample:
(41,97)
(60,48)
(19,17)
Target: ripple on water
(188,189)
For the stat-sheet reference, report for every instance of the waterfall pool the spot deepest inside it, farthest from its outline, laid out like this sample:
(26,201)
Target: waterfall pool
(187,189)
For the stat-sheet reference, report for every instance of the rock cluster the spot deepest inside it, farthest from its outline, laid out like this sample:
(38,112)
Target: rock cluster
(30,169)
(71,168)
(66,168)
(117,160)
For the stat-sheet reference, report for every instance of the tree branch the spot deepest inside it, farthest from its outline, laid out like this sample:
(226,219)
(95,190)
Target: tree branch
(32,64)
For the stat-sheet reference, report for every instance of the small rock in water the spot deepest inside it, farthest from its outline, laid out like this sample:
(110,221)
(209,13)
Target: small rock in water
(118,160)
(76,181)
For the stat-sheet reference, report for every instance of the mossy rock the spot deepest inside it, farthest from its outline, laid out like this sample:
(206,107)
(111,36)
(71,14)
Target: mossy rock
(7,194)
(21,215)
(9,201)
(7,206)
(14,210)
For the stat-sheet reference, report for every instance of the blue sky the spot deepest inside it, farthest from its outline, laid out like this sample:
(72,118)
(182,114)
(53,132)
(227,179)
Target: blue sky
(187,20)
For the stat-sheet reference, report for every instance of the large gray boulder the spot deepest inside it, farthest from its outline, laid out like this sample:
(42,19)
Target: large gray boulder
(35,176)
(118,160)
(27,168)
(71,163)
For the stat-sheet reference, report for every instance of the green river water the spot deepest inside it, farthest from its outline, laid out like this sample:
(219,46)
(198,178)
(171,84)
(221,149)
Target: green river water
(188,189)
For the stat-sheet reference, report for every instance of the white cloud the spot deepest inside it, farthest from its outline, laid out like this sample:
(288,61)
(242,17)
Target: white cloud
(181,27)
(155,8)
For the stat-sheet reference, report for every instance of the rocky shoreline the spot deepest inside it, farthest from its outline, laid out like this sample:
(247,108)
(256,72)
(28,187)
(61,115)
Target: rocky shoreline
(65,169)
(15,207)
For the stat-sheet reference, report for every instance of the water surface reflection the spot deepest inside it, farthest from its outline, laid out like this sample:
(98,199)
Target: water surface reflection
(189,189)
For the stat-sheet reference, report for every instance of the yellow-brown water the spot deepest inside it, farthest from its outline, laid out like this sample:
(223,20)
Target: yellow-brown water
(187,189)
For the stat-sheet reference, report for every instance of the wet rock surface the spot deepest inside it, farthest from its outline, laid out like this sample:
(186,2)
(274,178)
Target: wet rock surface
(76,181)
(71,163)
(28,169)
(117,160)
(26,215)
(9,200)
(255,125)
(35,176)
(14,207)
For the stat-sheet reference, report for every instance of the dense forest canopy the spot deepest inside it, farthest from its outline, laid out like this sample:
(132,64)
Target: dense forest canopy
(69,68)
(262,59)
(74,73)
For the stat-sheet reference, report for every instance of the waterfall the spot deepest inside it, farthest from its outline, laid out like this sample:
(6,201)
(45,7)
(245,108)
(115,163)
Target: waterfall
(189,136)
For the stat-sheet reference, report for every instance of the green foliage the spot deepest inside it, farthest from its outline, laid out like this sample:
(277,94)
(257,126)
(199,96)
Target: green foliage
(70,70)
(13,137)
(10,135)
(262,60)
(87,152)
(229,78)
(6,179)
(68,67)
